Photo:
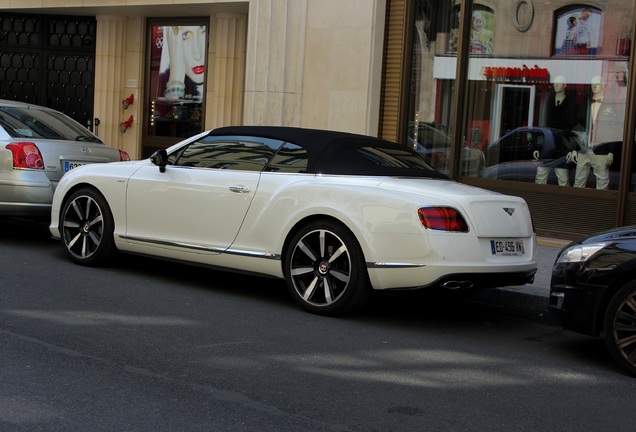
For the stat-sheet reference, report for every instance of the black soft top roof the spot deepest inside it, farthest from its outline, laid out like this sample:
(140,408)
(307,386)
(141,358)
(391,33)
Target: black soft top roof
(310,139)
(333,152)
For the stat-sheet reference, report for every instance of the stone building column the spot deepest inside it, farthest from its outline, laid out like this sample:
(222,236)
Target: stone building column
(275,59)
(224,94)
(109,76)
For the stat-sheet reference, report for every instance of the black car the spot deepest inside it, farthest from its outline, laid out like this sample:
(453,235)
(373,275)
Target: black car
(593,290)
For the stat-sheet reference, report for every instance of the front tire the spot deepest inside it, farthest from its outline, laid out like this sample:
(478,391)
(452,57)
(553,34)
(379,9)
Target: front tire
(620,327)
(325,269)
(87,227)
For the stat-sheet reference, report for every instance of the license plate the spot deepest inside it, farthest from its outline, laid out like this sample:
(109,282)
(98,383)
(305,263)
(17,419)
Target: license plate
(68,165)
(510,247)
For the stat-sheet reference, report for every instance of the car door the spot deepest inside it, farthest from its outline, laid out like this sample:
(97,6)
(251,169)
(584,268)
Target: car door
(199,203)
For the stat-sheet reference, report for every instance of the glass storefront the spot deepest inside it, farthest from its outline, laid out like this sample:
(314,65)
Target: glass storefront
(544,92)
(175,81)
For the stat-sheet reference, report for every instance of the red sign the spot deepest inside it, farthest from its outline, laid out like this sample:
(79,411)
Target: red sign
(517,74)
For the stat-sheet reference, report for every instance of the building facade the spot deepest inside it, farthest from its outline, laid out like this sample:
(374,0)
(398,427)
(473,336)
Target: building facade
(519,96)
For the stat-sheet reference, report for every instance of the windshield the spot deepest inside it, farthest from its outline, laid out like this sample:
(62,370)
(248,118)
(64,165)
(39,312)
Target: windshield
(27,122)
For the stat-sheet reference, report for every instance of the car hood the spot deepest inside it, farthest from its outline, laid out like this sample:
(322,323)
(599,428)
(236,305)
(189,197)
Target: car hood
(615,234)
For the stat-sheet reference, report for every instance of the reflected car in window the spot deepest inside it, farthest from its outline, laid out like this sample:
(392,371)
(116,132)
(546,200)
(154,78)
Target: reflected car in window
(519,154)
(593,291)
(38,146)
(336,215)
(522,153)
(433,142)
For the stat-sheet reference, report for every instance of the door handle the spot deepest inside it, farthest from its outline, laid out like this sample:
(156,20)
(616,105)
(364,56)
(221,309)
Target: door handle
(239,189)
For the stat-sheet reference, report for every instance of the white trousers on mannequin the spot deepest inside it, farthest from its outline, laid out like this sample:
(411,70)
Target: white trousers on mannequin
(598,164)
(562,175)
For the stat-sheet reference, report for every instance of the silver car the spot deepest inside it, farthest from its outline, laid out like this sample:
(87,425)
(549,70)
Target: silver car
(38,146)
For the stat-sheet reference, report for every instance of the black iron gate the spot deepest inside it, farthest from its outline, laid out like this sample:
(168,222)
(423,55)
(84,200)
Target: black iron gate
(49,60)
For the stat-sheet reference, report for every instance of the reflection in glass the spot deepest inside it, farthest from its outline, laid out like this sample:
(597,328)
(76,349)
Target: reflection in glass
(545,104)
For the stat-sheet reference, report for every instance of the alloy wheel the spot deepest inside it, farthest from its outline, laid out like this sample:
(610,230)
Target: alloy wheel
(320,267)
(87,228)
(82,226)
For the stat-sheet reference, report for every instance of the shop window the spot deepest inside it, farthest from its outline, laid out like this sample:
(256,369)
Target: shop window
(549,105)
(545,104)
(435,36)
(175,82)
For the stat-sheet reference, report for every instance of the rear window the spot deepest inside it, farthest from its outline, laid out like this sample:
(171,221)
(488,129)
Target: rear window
(43,124)
(374,160)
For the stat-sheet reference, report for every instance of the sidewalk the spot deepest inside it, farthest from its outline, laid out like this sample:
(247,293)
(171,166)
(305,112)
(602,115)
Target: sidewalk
(529,300)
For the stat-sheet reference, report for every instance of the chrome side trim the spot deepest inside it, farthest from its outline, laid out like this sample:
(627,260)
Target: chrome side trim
(173,244)
(393,265)
(267,255)
(193,247)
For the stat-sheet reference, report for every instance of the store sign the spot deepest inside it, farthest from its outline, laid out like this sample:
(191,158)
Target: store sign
(522,74)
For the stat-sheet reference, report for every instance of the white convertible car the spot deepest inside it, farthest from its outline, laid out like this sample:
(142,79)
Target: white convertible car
(336,215)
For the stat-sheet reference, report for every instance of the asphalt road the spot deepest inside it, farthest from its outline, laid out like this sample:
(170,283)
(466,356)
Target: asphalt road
(147,345)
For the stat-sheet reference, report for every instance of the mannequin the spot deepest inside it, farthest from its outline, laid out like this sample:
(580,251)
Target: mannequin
(600,118)
(561,114)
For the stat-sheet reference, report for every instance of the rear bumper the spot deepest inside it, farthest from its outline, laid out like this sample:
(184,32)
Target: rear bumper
(485,280)
(24,193)
(429,277)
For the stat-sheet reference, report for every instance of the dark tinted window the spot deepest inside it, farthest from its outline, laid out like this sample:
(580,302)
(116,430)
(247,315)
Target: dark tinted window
(222,153)
(377,160)
(291,158)
(515,146)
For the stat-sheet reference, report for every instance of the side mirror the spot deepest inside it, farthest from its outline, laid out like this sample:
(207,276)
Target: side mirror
(160,158)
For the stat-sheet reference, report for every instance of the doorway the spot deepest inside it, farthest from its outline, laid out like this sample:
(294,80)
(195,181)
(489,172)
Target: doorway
(514,108)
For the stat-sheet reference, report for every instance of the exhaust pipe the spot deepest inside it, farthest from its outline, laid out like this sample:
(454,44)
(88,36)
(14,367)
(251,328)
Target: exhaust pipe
(457,285)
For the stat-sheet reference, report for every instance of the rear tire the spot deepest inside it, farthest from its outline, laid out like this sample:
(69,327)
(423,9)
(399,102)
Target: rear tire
(87,226)
(620,327)
(325,269)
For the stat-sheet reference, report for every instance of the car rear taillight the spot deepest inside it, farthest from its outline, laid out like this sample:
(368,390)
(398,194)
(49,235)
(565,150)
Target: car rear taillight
(26,155)
(442,219)
(123,156)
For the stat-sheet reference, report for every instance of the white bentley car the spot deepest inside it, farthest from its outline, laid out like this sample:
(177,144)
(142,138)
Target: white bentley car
(336,215)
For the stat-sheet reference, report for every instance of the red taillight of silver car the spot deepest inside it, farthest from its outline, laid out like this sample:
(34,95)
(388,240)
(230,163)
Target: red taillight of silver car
(442,219)
(123,156)
(26,155)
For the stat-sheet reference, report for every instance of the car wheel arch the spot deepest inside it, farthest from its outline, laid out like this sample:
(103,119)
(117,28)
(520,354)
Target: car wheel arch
(310,219)
(70,191)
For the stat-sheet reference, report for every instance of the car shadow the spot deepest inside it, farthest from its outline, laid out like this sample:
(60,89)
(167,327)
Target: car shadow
(25,228)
